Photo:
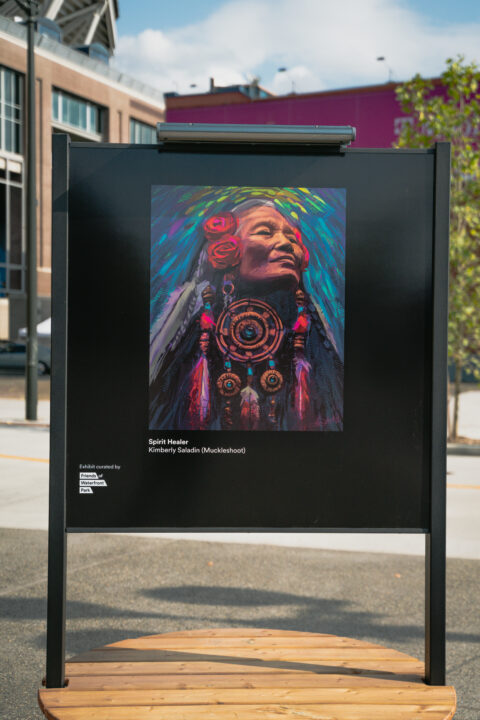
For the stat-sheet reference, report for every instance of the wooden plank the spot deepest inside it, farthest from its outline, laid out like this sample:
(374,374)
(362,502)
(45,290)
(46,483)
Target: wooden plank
(246,680)
(421,696)
(256,712)
(403,667)
(312,641)
(239,632)
(127,654)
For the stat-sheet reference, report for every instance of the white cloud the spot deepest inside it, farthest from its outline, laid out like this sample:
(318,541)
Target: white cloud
(322,44)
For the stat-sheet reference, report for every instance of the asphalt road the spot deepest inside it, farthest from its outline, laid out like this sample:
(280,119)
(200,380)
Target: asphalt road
(122,587)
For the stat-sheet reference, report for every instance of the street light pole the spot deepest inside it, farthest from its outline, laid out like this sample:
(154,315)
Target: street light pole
(285,70)
(382,58)
(30,7)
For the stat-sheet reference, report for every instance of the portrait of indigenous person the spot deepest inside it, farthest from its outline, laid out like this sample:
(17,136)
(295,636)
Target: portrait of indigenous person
(247,308)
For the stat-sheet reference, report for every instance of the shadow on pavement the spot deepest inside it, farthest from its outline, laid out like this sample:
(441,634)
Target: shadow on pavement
(337,617)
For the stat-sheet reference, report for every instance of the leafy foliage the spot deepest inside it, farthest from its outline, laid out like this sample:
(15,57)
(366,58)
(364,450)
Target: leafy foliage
(448,109)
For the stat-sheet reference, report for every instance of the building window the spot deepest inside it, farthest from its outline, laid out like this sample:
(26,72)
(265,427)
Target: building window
(142,134)
(11,89)
(73,112)
(12,252)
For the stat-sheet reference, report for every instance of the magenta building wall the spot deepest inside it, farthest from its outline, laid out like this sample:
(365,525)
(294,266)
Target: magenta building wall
(374,111)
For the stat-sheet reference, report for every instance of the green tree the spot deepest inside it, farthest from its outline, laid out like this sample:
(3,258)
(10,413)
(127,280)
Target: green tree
(448,109)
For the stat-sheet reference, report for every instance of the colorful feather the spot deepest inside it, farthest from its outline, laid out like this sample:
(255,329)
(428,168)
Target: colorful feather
(301,323)
(249,408)
(206,320)
(302,392)
(199,396)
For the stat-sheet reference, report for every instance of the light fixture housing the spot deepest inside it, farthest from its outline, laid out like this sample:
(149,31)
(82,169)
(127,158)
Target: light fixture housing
(337,135)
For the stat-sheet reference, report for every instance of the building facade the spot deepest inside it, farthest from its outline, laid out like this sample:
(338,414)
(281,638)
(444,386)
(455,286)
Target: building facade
(373,110)
(78,93)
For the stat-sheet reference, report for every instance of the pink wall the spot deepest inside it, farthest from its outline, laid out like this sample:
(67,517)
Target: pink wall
(374,111)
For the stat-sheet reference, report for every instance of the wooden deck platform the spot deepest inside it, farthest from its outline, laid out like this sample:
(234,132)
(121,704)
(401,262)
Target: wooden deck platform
(246,674)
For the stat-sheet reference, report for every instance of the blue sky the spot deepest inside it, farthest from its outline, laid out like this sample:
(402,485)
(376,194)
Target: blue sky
(137,16)
(174,44)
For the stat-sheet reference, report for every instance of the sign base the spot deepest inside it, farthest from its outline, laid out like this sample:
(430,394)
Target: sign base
(247,674)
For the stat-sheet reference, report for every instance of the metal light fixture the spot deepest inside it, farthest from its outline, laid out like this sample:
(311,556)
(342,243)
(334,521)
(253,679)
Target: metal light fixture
(285,70)
(229,133)
(382,58)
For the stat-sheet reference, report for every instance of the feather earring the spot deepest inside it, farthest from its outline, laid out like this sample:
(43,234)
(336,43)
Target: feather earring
(228,385)
(301,366)
(199,396)
(249,404)
(272,381)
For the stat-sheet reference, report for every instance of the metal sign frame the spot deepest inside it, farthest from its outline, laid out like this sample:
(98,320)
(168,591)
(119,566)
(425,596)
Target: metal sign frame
(435,548)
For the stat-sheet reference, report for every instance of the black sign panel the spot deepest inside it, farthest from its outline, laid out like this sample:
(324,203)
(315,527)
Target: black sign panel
(249,338)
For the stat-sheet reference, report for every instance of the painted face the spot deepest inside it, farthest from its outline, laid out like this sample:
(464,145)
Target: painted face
(270,251)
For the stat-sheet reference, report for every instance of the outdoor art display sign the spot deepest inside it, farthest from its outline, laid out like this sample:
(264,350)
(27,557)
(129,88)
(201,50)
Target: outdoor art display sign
(249,338)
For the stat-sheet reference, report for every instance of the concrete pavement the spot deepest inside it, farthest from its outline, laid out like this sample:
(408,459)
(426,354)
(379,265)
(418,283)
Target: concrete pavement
(469,412)
(24,504)
(12,400)
(12,412)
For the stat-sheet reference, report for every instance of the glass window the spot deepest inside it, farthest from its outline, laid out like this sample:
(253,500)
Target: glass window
(94,124)
(8,86)
(3,223)
(82,108)
(15,225)
(8,136)
(141,133)
(15,280)
(12,256)
(18,89)
(77,113)
(10,111)
(55,105)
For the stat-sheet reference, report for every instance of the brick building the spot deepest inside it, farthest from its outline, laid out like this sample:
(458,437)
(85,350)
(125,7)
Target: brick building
(76,92)
(373,109)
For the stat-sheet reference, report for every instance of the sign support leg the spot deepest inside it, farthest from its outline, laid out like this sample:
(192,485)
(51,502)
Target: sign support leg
(57,538)
(435,546)
(57,561)
(434,610)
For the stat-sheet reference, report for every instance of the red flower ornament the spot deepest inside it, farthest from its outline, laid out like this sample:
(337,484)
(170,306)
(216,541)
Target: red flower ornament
(218,225)
(224,253)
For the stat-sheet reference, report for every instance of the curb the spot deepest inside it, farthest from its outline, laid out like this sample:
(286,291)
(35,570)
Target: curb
(25,423)
(458,449)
